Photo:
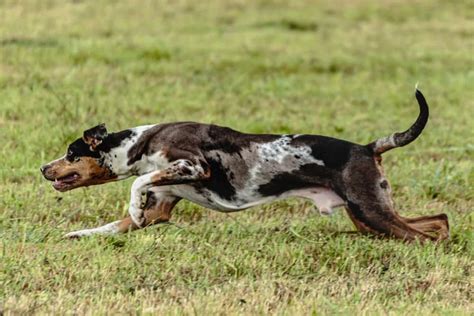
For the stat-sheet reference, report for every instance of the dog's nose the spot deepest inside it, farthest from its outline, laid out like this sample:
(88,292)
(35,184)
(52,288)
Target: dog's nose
(44,168)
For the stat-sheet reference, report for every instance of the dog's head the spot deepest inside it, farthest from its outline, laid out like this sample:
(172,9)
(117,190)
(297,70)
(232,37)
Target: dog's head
(83,164)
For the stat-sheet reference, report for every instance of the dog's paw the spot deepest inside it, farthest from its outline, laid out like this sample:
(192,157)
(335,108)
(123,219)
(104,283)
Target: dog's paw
(76,234)
(326,211)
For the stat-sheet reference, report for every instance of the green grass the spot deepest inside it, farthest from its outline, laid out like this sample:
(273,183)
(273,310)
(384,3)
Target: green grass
(345,68)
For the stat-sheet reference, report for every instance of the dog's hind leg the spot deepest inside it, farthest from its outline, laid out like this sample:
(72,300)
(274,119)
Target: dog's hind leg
(383,222)
(435,224)
(370,206)
(157,210)
(367,192)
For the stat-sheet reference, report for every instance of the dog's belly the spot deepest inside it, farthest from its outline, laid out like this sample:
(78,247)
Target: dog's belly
(324,199)
(213,201)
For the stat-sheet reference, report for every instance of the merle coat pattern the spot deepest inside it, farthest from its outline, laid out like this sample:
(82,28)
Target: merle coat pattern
(226,170)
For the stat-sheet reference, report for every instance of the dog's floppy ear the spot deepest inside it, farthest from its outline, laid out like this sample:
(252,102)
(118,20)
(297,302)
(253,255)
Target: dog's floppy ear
(94,136)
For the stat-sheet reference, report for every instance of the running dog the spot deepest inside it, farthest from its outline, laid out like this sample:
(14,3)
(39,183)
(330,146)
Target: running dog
(229,171)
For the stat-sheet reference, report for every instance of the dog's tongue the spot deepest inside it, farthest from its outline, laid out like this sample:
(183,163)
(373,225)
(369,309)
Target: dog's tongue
(68,178)
(57,184)
(60,183)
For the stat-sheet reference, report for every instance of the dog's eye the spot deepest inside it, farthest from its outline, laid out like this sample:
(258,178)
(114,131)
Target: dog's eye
(70,156)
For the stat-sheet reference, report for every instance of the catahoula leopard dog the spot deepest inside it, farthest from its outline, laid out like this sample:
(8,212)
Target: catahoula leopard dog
(225,170)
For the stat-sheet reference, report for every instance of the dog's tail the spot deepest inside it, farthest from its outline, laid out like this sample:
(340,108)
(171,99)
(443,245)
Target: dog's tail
(395,140)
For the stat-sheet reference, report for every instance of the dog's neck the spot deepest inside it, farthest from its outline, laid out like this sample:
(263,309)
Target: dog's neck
(118,159)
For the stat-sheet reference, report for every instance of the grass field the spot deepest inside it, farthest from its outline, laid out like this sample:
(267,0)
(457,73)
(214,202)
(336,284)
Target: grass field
(341,68)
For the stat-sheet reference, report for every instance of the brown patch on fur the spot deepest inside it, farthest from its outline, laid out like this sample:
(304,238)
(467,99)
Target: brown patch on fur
(92,142)
(436,225)
(179,174)
(160,213)
(166,177)
(154,214)
(89,170)
(94,136)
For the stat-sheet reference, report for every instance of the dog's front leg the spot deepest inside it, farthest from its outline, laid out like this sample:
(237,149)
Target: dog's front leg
(107,229)
(179,172)
(157,209)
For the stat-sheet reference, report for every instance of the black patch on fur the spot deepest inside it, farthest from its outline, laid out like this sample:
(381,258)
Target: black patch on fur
(223,145)
(114,140)
(98,132)
(308,175)
(151,200)
(80,149)
(222,139)
(357,211)
(384,184)
(204,165)
(186,171)
(335,153)
(219,182)
(281,183)
(232,142)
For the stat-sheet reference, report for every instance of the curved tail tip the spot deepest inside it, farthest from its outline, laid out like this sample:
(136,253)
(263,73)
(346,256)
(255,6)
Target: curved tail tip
(419,96)
(417,91)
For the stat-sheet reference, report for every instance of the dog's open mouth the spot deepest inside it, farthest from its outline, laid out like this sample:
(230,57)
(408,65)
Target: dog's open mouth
(65,182)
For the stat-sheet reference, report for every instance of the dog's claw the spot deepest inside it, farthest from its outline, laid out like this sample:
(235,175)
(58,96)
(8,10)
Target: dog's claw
(326,211)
